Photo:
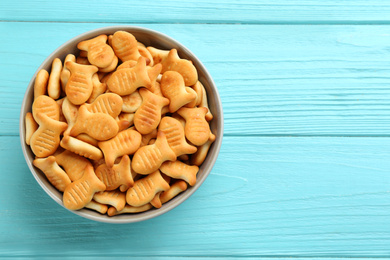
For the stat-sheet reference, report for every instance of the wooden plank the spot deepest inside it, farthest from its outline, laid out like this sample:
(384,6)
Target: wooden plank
(273,80)
(279,196)
(174,11)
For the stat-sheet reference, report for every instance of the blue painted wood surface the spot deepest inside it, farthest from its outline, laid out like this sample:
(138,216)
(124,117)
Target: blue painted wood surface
(304,170)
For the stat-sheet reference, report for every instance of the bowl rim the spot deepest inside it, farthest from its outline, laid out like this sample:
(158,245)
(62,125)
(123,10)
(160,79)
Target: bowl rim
(134,217)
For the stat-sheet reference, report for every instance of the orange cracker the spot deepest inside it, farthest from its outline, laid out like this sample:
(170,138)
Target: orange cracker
(174,131)
(46,105)
(104,126)
(98,88)
(146,138)
(46,138)
(54,85)
(197,129)
(154,73)
(131,102)
(200,155)
(149,158)
(116,176)
(73,164)
(125,46)
(180,170)
(127,64)
(148,115)
(70,113)
(125,81)
(79,86)
(173,191)
(128,209)
(53,172)
(99,207)
(40,83)
(145,189)
(172,87)
(111,67)
(125,142)
(81,148)
(100,53)
(86,138)
(158,55)
(79,193)
(146,54)
(204,103)
(108,103)
(182,66)
(114,198)
(31,126)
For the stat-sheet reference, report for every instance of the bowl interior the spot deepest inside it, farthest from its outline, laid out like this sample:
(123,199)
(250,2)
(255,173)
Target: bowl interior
(149,38)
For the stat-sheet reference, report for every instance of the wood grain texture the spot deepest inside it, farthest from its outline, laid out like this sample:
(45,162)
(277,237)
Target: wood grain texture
(174,11)
(273,80)
(279,196)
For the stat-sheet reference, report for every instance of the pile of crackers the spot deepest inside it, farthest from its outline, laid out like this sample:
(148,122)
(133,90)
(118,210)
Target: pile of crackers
(121,127)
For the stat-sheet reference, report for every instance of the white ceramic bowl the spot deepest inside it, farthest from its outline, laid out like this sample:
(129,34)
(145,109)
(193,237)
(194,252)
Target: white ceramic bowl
(149,38)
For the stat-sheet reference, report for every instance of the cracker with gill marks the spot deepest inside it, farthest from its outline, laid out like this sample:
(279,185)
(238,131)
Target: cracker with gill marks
(79,193)
(125,81)
(148,115)
(40,83)
(172,87)
(46,139)
(125,142)
(182,66)
(65,73)
(114,198)
(149,158)
(116,176)
(174,131)
(81,148)
(144,190)
(105,127)
(100,53)
(53,172)
(108,103)
(125,46)
(79,86)
(197,129)
(180,170)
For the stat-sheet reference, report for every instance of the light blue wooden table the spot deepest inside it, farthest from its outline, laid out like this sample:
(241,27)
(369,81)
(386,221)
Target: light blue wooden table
(304,169)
